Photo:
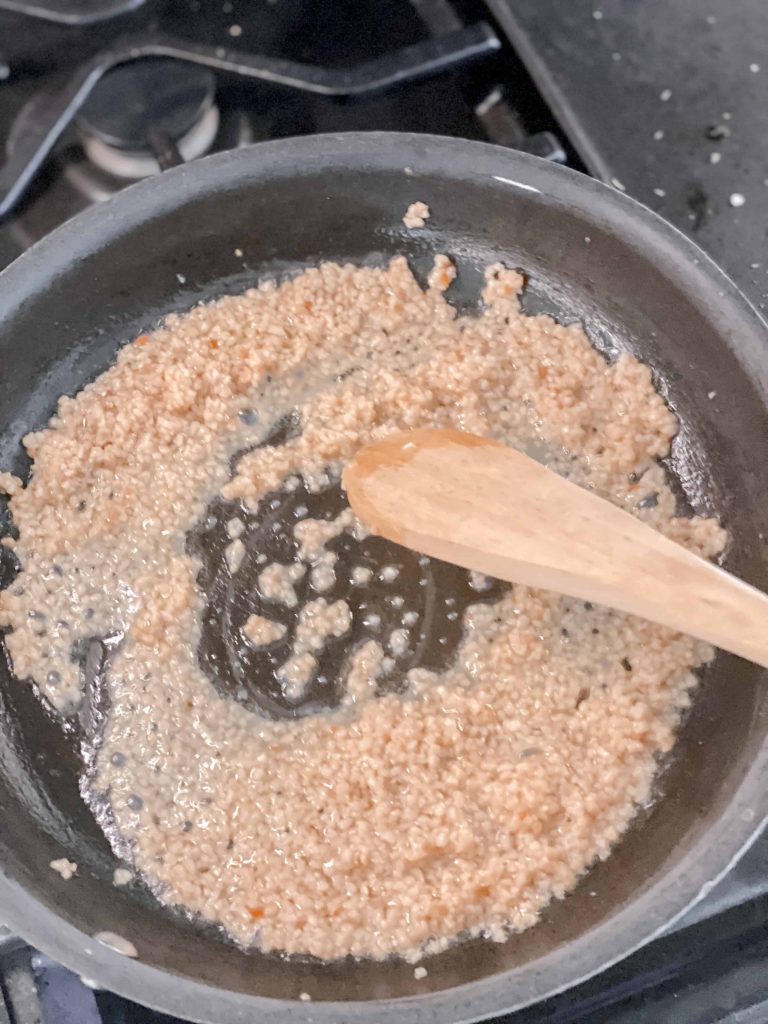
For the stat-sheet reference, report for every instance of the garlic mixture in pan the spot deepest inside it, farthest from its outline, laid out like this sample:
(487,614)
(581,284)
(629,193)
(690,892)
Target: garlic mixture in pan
(462,799)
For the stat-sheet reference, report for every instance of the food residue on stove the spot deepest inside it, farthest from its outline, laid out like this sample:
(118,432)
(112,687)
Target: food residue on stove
(66,868)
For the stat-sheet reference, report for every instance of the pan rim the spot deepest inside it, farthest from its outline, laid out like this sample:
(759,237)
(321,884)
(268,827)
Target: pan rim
(715,851)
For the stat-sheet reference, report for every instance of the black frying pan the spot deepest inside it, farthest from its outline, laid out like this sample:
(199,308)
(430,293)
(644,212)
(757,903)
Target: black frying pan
(591,253)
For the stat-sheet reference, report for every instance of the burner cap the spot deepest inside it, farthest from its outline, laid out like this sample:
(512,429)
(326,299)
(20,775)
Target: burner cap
(145,96)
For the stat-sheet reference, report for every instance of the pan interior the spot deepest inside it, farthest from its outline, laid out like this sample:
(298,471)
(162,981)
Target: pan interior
(77,313)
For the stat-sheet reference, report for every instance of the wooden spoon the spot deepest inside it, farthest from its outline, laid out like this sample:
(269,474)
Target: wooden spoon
(484,506)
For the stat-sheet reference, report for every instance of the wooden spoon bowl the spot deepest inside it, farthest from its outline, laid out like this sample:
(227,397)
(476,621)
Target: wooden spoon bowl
(484,506)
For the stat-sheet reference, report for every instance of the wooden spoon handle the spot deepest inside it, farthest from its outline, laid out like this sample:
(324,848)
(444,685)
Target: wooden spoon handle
(484,506)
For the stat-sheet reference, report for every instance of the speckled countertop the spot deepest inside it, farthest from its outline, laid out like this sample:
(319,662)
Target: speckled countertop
(667,99)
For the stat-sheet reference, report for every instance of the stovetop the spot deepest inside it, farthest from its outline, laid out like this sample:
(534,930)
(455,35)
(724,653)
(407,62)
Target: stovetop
(670,99)
(666,101)
(308,48)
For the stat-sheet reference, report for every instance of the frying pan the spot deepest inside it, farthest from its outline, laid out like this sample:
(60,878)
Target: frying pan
(589,253)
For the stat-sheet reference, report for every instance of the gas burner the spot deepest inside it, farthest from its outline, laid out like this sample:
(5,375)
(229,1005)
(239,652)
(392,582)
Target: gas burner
(149,115)
(93,166)
(408,64)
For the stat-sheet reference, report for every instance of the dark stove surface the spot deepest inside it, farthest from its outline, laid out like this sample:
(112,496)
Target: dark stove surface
(671,100)
(331,36)
(666,100)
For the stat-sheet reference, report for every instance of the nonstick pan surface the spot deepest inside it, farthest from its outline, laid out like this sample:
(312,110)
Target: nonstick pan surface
(591,254)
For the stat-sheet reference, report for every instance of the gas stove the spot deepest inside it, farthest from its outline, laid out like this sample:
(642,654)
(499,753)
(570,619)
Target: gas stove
(667,104)
(86,111)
